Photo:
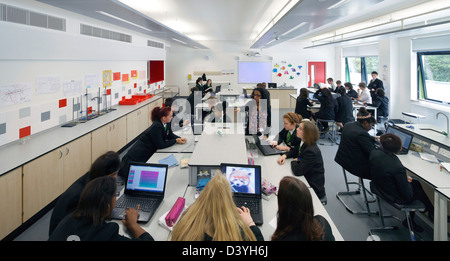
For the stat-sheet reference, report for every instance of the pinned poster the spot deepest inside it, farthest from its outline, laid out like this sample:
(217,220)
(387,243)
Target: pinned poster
(116,76)
(107,78)
(15,93)
(125,78)
(92,80)
(134,74)
(275,70)
(72,88)
(48,84)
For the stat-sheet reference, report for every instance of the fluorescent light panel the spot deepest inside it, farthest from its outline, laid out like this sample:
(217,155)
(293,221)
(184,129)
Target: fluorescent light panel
(176,40)
(122,20)
(295,28)
(336,5)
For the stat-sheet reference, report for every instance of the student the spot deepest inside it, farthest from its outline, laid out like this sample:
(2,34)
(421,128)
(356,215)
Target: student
(288,134)
(87,222)
(375,84)
(382,103)
(308,159)
(302,104)
(191,98)
(207,87)
(345,111)
(330,82)
(214,217)
(390,178)
(259,116)
(199,84)
(328,107)
(217,114)
(158,136)
(338,85)
(356,145)
(106,165)
(295,219)
(363,93)
(350,91)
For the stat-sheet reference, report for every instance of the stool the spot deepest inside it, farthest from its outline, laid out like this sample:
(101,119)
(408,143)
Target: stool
(360,184)
(416,205)
(331,127)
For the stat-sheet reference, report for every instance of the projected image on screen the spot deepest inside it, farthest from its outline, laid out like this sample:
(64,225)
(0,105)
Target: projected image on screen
(254,72)
(149,179)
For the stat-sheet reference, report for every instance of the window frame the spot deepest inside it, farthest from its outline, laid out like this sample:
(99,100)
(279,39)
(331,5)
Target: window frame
(421,82)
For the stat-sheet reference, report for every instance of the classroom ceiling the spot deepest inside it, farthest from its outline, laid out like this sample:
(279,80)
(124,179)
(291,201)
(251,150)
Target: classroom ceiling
(195,23)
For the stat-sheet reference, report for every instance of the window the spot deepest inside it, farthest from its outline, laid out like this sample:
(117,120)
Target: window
(434,76)
(359,69)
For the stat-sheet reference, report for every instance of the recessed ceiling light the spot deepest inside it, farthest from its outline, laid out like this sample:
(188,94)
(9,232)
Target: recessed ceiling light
(176,40)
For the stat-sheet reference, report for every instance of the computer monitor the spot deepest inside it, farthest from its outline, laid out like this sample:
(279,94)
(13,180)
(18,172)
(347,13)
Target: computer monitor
(272,85)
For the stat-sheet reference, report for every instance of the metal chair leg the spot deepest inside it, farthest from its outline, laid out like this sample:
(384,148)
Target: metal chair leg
(360,184)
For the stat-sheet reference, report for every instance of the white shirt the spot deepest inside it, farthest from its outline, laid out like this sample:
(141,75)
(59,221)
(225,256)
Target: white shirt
(364,96)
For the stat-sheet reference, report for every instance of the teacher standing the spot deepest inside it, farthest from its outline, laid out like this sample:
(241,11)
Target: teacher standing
(158,136)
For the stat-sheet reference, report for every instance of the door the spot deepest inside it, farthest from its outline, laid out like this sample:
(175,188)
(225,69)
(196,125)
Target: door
(316,73)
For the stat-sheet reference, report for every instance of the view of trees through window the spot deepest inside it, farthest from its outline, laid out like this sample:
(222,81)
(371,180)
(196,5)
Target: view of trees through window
(435,68)
(359,69)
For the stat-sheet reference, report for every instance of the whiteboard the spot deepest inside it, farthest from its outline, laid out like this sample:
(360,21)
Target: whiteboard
(254,72)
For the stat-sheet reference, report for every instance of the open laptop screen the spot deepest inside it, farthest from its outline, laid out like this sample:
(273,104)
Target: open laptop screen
(244,179)
(405,137)
(146,177)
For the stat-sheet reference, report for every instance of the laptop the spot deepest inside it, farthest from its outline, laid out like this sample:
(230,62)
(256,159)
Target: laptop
(218,87)
(145,185)
(245,182)
(266,148)
(404,136)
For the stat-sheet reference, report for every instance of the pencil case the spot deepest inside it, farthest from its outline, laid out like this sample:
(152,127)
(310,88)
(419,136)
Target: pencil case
(175,212)
(268,188)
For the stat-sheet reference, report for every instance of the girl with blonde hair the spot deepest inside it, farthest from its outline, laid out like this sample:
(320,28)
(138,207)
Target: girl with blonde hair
(215,217)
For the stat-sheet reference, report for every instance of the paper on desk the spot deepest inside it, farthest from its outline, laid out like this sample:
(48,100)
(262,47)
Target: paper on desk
(446,165)
(169,160)
(428,157)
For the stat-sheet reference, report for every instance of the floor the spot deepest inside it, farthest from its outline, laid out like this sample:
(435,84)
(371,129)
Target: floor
(352,227)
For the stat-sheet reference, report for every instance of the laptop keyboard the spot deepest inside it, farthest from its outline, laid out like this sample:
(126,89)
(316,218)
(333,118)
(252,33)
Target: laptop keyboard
(252,205)
(130,202)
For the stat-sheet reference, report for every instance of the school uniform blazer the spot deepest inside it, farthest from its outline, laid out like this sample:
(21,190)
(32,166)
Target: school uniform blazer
(301,107)
(310,165)
(72,229)
(375,84)
(352,94)
(389,177)
(345,112)
(293,141)
(67,202)
(326,112)
(256,231)
(154,138)
(354,150)
(297,234)
(382,104)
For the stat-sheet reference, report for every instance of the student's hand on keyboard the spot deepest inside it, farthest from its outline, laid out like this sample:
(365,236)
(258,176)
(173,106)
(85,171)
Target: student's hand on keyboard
(245,215)
(131,216)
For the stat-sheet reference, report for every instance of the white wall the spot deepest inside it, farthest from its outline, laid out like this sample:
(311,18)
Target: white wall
(29,52)
(225,56)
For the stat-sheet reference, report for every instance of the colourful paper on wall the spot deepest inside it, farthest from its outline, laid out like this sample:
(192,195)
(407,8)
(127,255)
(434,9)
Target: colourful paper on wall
(23,132)
(116,76)
(125,77)
(62,103)
(134,74)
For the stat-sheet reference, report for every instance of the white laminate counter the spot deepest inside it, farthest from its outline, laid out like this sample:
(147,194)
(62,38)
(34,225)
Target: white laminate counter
(14,155)
(424,131)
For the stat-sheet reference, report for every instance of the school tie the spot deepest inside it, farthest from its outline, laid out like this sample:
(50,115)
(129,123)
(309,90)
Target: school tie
(288,137)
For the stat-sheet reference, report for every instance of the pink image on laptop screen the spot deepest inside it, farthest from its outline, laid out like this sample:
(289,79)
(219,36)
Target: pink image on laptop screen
(149,179)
